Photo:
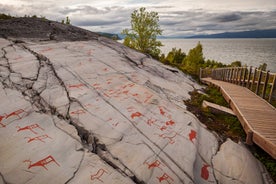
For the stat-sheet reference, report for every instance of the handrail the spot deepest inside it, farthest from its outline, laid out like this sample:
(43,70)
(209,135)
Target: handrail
(263,83)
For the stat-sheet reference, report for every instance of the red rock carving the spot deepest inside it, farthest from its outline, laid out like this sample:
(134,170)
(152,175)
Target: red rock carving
(151,121)
(130,109)
(168,136)
(136,114)
(165,177)
(171,122)
(162,112)
(15,113)
(115,124)
(98,175)
(148,98)
(38,138)
(163,128)
(80,111)
(154,164)
(205,172)
(30,127)
(76,86)
(42,163)
(1,118)
(192,135)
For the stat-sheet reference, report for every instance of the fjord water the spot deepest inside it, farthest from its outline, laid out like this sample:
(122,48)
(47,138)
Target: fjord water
(252,52)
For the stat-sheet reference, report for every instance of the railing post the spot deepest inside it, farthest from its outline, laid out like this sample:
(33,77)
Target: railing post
(259,82)
(265,84)
(254,78)
(273,87)
(237,76)
(244,77)
(234,76)
(226,75)
(231,75)
(223,74)
(249,77)
(240,76)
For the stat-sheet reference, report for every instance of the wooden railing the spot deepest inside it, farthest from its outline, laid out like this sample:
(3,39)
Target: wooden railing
(263,83)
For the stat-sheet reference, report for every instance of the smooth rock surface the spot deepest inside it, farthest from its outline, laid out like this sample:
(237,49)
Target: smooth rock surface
(91,112)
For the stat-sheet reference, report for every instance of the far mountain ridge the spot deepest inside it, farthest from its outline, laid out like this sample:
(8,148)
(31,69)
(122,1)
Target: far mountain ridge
(268,33)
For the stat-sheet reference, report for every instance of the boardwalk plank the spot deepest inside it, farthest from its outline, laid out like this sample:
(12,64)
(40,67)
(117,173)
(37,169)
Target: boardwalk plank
(255,114)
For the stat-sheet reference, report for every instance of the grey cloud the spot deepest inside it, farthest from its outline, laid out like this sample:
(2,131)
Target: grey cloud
(228,17)
(116,18)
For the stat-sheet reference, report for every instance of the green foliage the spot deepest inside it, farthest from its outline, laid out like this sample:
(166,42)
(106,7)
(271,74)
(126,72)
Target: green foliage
(194,60)
(143,33)
(212,64)
(236,64)
(175,57)
(66,21)
(5,17)
(262,67)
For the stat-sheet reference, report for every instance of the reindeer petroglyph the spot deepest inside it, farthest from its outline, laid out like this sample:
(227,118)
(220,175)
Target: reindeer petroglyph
(98,175)
(38,138)
(29,127)
(42,163)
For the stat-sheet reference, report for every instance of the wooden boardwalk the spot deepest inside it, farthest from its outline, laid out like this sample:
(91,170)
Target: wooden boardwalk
(256,115)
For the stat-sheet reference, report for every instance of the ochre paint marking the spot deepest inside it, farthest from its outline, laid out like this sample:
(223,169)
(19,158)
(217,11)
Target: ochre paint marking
(30,127)
(80,111)
(98,175)
(168,136)
(170,123)
(38,138)
(76,86)
(1,118)
(15,113)
(154,164)
(192,135)
(43,162)
(151,121)
(205,172)
(165,177)
(136,114)
(162,112)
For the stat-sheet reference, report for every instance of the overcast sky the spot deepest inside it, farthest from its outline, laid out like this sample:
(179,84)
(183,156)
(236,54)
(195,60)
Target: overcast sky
(177,17)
